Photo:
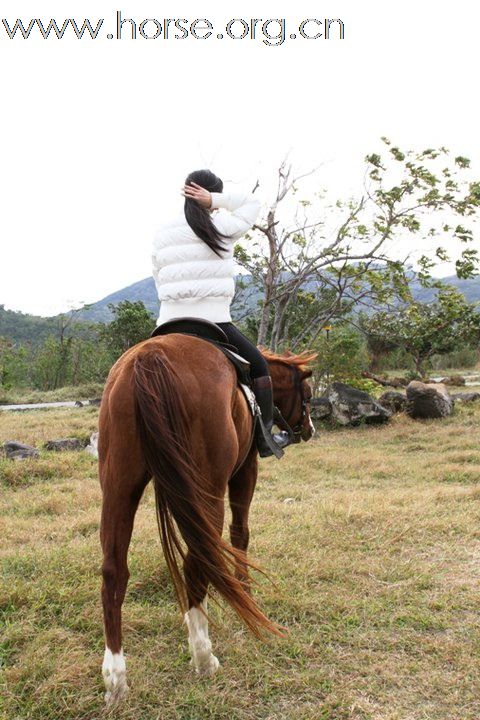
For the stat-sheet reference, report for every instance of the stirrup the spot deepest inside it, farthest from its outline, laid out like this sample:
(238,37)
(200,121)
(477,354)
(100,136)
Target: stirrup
(282,438)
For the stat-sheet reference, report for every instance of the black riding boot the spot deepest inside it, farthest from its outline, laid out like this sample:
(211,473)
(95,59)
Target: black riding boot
(267,442)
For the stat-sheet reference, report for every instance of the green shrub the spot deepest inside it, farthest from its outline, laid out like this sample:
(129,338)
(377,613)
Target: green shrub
(360,383)
(341,354)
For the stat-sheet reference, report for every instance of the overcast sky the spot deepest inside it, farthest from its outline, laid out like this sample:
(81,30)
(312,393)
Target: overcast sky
(97,136)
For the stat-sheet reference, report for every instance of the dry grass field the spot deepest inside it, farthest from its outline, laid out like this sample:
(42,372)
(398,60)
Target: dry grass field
(371,534)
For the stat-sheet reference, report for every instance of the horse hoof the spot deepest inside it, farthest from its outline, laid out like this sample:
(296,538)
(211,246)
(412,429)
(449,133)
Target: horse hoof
(117,695)
(209,668)
(115,677)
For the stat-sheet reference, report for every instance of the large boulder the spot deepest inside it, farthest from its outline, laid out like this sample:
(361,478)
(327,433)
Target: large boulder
(428,400)
(19,451)
(351,406)
(320,408)
(393,401)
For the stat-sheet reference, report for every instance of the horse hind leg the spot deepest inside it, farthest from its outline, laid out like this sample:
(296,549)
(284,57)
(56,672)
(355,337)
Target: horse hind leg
(120,502)
(240,492)
(202,659)
(241,489)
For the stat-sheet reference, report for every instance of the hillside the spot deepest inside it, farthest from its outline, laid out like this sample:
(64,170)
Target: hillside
(144,290)
(23,327)
(32,329)
(470,288)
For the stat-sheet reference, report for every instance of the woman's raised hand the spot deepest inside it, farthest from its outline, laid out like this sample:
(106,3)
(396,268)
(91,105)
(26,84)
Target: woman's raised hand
(199,194)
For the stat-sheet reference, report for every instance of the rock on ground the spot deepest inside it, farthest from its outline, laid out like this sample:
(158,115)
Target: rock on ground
(320,408)
(64,444)
(428,400)
(351,406)
(457,380)
(92,448)
(393,401)
(19,451)
(466,397)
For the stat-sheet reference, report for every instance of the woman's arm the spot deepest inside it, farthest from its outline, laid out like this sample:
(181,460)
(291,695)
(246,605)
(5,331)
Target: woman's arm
(243,209)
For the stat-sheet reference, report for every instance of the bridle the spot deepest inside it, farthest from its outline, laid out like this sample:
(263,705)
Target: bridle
(294,432)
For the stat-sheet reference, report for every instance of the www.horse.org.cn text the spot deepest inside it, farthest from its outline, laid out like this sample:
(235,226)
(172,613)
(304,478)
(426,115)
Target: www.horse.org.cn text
(270,31)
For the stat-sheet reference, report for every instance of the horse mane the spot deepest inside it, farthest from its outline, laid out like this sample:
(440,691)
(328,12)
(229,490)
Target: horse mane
(301,361)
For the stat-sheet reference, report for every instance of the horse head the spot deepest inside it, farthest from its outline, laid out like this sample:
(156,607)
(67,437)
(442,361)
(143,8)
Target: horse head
(292,392)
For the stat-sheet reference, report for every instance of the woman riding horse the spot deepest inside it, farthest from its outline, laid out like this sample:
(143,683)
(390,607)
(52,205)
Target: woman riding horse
(194,272)
(172,411)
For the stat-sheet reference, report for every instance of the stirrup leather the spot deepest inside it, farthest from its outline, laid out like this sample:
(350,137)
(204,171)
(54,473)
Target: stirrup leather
(265,439)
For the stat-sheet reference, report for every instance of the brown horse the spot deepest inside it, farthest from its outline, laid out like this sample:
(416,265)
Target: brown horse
(172,411)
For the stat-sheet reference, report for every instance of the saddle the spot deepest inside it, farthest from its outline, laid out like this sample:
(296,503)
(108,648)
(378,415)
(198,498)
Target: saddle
(210,332)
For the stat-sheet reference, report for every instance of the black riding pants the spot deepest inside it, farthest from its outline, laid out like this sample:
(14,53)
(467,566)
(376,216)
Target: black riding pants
(258,364)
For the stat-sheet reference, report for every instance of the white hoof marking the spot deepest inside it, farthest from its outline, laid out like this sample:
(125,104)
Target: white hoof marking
(204,662)
(114,673)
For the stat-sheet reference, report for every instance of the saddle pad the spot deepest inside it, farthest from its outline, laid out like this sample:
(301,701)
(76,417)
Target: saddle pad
(250,398)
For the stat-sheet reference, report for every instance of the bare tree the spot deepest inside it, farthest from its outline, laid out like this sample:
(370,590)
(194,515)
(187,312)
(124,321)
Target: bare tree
(350,264)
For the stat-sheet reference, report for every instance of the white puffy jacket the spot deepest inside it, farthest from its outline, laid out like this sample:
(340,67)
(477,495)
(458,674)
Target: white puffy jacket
(191,280)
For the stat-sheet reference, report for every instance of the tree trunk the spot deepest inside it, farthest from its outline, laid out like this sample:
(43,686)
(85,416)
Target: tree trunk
(374,365)
(279,322)
(263,326)
(418,360)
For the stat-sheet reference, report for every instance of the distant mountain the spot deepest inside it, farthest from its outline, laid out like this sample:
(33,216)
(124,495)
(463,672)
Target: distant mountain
(470,288)
(145,291)
(22,327)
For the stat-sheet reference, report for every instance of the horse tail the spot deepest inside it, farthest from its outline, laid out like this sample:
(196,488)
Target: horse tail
(164,435)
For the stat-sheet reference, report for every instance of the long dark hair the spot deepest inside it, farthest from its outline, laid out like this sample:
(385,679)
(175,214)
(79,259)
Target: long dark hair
(198,217)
